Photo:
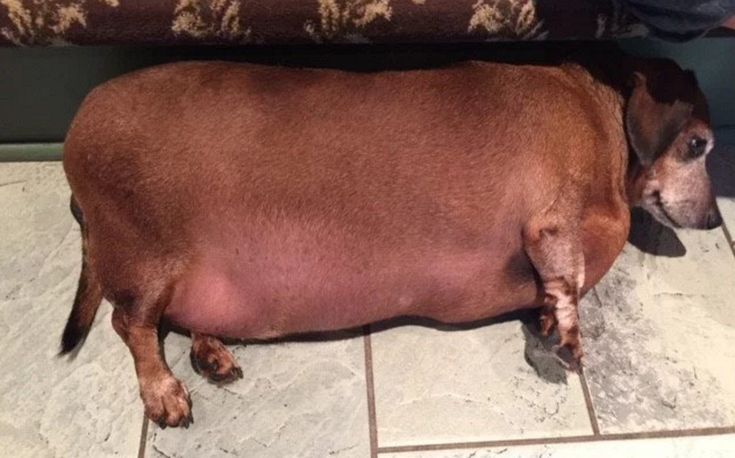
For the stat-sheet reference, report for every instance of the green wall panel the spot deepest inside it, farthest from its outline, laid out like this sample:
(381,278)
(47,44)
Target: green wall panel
(41,88)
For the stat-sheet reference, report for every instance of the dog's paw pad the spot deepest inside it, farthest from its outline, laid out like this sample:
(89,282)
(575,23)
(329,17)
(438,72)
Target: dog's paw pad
(167,403)
(547,323)
(569,358)
(213,361)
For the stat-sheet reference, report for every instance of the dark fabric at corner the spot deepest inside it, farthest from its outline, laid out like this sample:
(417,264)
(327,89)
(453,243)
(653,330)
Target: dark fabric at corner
(680,20)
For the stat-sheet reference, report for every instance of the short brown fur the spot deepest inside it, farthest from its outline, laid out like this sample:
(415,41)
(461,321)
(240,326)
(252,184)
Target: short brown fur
(247,201)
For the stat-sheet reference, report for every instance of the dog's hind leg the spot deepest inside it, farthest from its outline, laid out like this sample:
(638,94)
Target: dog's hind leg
(212,360)
(556,252)
(136,320)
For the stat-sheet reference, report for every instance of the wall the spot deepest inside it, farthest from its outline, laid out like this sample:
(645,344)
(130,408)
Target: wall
(41,88)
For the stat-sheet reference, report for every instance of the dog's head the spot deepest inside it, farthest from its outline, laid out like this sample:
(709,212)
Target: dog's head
(667,124)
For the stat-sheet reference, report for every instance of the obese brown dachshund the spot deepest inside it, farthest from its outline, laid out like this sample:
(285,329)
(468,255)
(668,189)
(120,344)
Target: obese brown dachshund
(252,202)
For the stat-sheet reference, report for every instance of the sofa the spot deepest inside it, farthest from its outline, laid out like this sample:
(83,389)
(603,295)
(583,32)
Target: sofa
(238,22)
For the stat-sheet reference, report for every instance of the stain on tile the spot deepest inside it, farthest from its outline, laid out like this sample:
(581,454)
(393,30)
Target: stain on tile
(539,353)
(664,357)
(54,406)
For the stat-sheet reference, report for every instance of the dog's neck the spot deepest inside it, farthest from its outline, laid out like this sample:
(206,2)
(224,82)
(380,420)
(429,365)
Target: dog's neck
(635,180)
(614,74)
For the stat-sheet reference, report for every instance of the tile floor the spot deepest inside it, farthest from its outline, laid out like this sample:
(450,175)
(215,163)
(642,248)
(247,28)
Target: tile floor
(659,378)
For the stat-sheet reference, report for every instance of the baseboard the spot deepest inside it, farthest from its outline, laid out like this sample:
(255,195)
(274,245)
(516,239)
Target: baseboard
(23,152)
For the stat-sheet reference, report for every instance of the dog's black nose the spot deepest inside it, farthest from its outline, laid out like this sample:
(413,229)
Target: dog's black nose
(714,219)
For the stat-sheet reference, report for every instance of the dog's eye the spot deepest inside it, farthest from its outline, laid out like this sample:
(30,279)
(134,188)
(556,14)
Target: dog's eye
(697,146)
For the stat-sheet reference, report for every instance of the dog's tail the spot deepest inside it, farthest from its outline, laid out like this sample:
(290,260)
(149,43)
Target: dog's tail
(88,297)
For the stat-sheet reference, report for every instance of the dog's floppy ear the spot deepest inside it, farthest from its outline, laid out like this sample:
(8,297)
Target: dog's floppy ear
(655,115)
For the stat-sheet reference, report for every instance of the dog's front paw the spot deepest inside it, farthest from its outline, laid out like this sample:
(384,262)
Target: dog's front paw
(570,356)
(212,360)
(547,321)
(167,402)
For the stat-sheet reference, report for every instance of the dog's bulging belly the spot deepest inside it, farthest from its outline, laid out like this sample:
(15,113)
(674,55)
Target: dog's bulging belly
(314,223)
(258,292)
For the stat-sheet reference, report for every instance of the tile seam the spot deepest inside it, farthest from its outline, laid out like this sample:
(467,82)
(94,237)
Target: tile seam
(369,382)
(729,238)
(143,438)
(662,434)
(588,403)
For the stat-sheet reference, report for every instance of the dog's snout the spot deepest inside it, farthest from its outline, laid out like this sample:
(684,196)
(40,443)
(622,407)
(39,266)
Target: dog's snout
(714,218)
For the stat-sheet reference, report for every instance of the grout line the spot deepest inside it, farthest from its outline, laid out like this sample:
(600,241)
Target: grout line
(728,237)
(666,434)
(588,403)
(372,421)
(597,295)
(585,387)
(143,437)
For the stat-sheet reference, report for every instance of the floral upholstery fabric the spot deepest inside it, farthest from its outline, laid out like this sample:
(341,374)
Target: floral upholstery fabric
(234,22)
